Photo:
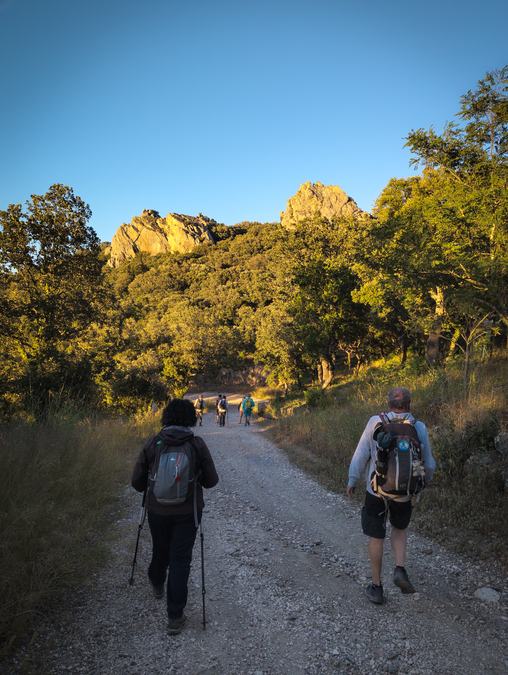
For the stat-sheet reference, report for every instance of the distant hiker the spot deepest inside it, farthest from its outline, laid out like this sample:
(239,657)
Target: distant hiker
(153,407)
(222,410)
(217,401)
(247,407)
(199,406)
(173,467)
(240,409)
(396,449)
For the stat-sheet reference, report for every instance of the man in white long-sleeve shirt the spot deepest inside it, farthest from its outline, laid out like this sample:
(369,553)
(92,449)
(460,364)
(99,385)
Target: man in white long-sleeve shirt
(374,514)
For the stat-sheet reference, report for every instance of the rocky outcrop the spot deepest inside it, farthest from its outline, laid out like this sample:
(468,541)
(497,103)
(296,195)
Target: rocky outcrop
(317,200)
(152,234)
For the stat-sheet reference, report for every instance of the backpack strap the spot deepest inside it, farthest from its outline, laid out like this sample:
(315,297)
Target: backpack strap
(196,477)
(151,475)
(195,455)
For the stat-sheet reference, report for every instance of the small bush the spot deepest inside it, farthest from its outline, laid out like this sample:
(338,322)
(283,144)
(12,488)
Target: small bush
(454,443)
(315,397)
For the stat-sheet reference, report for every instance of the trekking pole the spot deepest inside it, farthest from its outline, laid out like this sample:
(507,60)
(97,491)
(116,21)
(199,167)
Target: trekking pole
(199,523)
(140,527)
(203,589)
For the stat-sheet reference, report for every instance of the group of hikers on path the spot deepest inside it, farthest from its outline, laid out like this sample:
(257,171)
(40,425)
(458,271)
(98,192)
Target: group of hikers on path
(245,409)
(393,454)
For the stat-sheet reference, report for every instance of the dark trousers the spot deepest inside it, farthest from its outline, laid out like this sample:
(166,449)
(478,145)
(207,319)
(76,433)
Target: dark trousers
(173,540)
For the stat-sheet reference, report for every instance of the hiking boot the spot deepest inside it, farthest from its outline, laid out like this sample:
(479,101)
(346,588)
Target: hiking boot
(175,625)
(375,594)
(401,579)
(158,591)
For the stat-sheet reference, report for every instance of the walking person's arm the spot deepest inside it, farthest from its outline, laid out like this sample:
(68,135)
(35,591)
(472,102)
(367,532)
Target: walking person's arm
(428,458)
(139,480)
(360,459)
(208,473)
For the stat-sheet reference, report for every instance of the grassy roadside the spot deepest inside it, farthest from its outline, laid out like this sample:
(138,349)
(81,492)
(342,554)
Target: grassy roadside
(61,486)
(466,506)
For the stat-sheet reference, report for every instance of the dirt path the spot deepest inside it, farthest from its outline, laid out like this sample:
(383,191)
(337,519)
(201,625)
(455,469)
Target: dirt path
(286,572)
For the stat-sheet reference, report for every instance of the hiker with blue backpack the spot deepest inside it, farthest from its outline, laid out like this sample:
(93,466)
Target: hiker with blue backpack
(395,455)
(247,408)
(240,409)
(172,469)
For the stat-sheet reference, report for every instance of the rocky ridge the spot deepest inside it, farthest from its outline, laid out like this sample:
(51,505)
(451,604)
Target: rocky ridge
(315,199)
(178,233)
(150,233)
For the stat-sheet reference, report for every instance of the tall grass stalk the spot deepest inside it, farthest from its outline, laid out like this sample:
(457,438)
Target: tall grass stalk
(61,480)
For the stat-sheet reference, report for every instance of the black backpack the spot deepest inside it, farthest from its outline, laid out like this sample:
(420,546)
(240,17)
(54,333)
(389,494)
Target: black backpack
(399,464)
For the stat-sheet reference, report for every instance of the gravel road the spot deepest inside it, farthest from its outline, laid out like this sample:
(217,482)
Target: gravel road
(286,571)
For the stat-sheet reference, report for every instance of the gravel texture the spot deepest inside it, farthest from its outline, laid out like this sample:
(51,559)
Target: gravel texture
(286,570)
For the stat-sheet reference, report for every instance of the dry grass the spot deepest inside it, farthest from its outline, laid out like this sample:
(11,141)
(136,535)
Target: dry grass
(61,484)
(466,506)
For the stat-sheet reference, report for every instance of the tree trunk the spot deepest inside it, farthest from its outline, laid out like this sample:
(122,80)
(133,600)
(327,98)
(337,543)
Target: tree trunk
(433,350)
(320,374)
(404,344)
(453,343)
(467,369)
(327,372)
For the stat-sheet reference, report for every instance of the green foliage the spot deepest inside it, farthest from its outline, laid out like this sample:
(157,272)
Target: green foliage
(50,292)
(315,397)
(457,442)
(436,257)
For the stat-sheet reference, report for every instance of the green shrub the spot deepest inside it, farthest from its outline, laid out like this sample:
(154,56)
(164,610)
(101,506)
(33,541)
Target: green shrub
(315,397)
(453,444)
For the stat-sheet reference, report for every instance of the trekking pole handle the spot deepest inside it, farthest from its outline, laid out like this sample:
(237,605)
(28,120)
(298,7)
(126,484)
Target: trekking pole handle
(143,508)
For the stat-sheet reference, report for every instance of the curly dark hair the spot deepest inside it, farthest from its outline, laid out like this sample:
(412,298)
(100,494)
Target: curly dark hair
(179,412)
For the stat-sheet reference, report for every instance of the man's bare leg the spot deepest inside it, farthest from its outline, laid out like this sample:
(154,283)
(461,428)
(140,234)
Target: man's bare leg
(399,542)
(400,577)
(375,548)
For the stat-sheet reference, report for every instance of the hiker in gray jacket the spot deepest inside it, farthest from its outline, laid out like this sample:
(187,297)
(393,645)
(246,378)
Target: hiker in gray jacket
(377,509)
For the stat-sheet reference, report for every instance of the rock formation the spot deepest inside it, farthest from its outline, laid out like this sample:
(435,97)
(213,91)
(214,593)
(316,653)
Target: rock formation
(316,199)
(152,234)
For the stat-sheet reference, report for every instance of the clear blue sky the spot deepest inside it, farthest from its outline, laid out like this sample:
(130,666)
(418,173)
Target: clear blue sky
(226,107)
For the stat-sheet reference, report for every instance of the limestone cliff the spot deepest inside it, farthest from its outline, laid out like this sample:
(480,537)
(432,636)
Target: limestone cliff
(152,234)
(316,199)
